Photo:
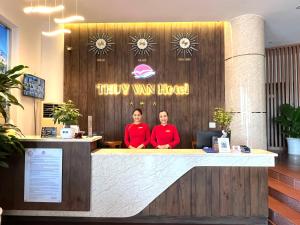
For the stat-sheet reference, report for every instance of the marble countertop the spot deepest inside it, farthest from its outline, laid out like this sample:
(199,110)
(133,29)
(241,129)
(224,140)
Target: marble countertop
(58,139)
(182,152)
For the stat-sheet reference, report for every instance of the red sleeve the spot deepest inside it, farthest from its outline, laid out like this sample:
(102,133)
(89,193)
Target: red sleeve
(176,139)
(126,136)
(153,138)
(147,139)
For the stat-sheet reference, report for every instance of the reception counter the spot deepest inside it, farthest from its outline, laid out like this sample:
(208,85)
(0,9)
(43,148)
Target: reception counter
(76,171)
(173,186)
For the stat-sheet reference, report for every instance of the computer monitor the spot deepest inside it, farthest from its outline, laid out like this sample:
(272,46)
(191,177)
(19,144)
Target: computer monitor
(204,138)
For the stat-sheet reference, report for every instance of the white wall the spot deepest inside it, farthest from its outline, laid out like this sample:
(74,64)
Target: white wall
(43,56)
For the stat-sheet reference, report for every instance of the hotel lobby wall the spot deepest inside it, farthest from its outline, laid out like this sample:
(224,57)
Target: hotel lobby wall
(245,79)
(40,54)
(204,73)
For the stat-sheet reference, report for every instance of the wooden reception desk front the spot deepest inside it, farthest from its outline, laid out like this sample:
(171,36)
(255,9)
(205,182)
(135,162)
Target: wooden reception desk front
(186,186)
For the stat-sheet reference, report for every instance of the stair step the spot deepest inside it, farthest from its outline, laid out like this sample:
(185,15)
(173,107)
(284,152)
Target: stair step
(281,214)
(270,222)
(287,175)
(284,193)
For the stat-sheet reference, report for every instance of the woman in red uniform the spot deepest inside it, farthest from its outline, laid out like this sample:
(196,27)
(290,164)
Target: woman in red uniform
(137,134)
(164,135)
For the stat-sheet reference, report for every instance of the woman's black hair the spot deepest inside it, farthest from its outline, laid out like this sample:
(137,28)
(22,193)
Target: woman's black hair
(163,111)
(137,109)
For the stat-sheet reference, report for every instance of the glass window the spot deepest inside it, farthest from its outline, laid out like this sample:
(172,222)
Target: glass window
(4,47)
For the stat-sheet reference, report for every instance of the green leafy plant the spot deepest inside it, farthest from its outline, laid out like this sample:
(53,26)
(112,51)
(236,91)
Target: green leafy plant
(67,114)
(9,141)
(289,119)
(223,119)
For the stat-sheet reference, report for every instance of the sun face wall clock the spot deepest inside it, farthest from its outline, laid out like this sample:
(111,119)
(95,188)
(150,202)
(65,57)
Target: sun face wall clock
(101,44)
(142,44)
(184,44)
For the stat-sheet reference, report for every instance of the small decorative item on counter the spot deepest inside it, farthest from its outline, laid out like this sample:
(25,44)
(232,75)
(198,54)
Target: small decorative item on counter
(209,150)
(79,134)
(224,146)
(48,132)
(67,114)
(245,149)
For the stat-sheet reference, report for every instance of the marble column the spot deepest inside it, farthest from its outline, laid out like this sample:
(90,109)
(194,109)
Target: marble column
(245,80)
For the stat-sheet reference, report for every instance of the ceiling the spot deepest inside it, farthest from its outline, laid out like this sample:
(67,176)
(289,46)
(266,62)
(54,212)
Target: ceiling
(281,16)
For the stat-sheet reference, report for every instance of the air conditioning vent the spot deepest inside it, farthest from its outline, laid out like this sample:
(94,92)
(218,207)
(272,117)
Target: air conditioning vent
(48,110)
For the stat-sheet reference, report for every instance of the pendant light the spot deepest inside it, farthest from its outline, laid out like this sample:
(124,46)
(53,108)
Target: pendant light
(55,32)
(43,9)
(70,19)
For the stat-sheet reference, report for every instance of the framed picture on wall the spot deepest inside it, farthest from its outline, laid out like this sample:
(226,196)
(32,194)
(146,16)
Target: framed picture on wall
(223,144)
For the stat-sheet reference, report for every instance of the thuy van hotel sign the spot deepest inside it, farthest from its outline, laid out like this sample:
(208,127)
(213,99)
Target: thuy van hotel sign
(143,71)
(143,89)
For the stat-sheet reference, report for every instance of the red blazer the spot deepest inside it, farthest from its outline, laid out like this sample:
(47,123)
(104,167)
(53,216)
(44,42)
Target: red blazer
(162,135)
(137,134)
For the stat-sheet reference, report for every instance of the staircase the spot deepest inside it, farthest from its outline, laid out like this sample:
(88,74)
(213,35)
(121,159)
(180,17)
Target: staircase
(284,195)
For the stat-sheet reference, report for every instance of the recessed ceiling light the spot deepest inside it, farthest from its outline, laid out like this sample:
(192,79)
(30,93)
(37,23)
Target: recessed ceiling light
(298,7)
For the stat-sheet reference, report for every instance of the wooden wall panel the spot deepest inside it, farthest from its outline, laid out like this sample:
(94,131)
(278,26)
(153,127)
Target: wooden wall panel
(204,72)
(235,192)
(282,86)
(76,172)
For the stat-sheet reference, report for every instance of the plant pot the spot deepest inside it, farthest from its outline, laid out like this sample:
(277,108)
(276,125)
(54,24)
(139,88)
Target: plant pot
(67,133)
(293,146)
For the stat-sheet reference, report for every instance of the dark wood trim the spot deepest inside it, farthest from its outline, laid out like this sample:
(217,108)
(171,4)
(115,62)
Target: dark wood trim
(14,220)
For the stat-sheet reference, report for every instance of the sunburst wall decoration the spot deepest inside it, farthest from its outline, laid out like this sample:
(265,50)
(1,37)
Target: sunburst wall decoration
(142,44)
(184,44)
(101,44)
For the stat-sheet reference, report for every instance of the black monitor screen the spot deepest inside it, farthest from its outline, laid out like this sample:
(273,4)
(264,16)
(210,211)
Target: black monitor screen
(33,86)
(204,138)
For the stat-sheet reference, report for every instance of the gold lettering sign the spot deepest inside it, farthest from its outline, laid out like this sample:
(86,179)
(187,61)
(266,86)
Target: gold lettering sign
(143,89)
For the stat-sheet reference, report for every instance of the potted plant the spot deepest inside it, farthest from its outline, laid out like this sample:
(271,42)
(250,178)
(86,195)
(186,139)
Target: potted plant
(68,115)
(223,120)
(289,119)
(9,141)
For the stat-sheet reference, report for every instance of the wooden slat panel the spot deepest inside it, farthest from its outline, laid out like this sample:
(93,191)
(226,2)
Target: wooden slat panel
(254,192)
(200,186)
(282,86)
(83,86)
(213,192)
(204,73)
(226,192)
(92,110)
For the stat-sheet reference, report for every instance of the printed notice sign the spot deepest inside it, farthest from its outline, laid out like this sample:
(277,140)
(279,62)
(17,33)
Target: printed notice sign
(43,175)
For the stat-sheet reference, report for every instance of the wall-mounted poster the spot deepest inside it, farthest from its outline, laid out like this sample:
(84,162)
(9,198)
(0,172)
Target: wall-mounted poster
(43,175)
(4,48)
